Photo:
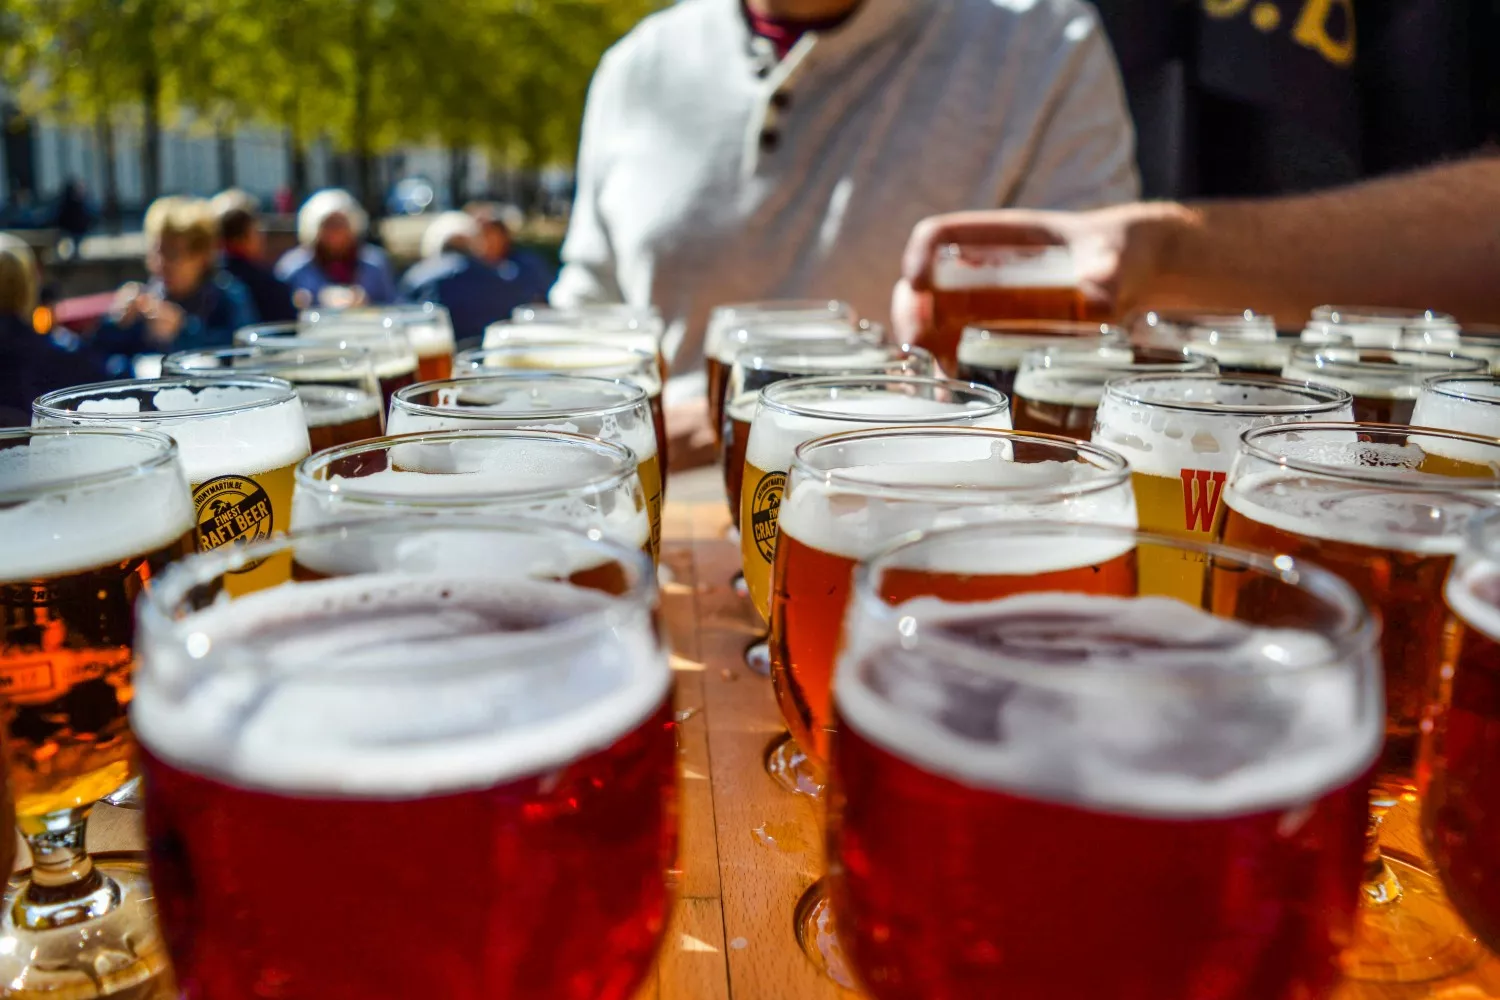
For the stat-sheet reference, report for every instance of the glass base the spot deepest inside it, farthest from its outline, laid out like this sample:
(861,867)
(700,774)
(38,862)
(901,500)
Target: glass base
(792,769)
(1414,937)
(813,923)
(119,954)
(758,657)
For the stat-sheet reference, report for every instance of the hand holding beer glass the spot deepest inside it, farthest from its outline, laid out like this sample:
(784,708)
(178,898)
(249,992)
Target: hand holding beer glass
(90,517)
(1049,783)
(443,770)
(1384,507)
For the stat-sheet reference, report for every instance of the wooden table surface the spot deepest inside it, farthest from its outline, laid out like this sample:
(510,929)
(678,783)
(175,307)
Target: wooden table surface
(749,849)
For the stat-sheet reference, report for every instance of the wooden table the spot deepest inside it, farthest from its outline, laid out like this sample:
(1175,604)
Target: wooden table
(749,849)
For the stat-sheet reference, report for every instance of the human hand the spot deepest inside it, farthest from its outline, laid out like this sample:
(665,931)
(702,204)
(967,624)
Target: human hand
(163,322)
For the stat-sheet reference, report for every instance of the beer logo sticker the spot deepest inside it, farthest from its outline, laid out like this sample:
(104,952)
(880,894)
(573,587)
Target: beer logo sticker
(1200,498)
(765,507)
(232,510)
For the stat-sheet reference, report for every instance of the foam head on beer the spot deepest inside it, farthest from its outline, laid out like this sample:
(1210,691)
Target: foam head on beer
(1460,403)
(1138,705)
(1384,329)
(637,335)
(1385,383)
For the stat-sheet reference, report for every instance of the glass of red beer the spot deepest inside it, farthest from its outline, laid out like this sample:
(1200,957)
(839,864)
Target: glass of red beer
(1460,769)
(1057,784)
(445,768)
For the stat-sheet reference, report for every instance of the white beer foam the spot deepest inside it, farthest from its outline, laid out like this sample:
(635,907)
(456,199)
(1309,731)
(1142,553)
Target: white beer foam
(82,528)
(240,442)
(510,409)
(775,435)
(429,340)
(580,359)
(473,477)
(1267,355)
(1158,441)
(1479,414)
(1005,351)
(1380,336)
(642,338)
(841,519)
(327,405)
(1007,267)
(1077,377)
(397,686)
(1141,706)
(779,333)
(1375,516)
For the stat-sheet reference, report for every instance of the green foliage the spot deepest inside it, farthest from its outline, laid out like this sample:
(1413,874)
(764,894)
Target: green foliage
(508,76)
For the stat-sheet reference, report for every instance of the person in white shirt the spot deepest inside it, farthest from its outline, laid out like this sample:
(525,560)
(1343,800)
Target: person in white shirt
(740,150)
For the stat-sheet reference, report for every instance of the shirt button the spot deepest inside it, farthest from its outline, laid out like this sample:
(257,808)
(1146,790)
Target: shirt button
(768,140)
(781,100)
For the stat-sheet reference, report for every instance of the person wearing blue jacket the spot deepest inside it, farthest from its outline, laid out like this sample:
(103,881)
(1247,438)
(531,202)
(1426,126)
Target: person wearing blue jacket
(188,302)
(32,363)
(452,274)
(333,266)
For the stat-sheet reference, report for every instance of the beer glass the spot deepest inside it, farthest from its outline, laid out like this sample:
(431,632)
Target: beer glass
(991,353)
(576,357)
(1459,758)
(1180,433)
(90,517)
(445,770)
(1459,403)
(1384,507)
(619,325)
(597,312)
(426,326)
(239,440)
(801,409)
(391,354)
(546,475)
(1475,341)
(1058,388)
(1381,329)
(337,385)
(607,409)
(1018,717)
(980,284)
(1241,344)
(1385,384)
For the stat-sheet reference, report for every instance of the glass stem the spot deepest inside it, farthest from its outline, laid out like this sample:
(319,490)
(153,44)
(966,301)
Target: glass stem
(65,888)
(1380,886)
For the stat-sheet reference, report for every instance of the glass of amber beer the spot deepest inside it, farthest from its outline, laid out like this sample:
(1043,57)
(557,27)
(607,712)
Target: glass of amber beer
(1379,328)
(607,409)
(1461,757)
(391,354)
(445,768)
(1058,388)
(1385,384)
(1180,433)
(89,518)
(336,383)
(973,284)
(425,326)
(546,475)
(991,353)
(1385,507)
(1019,721)
(1459,403)
(239,440)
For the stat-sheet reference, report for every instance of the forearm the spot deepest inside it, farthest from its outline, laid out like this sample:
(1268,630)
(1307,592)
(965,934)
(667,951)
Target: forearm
(1425,240)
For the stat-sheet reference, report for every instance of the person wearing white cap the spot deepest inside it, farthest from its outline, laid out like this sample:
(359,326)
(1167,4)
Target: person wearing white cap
(333,265)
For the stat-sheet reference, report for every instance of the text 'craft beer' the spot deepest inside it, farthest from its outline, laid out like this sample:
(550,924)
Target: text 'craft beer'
(1385,512)
(568,479)
(239,440)
(991,354)
(999,764)
(798,410)
(1385,384)
(1461,793)
(1180,433)
(850,494)
(537,757)
(1058,388)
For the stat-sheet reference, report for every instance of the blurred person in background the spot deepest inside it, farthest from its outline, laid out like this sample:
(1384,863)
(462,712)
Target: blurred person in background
(530,276)
(451,274)
(73,215)
(242,246)
(334,266)
(189,302)
(32,363)
(740,150)
(1426,239)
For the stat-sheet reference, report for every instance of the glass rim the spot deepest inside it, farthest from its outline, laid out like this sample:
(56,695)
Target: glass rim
(1403,360)
(1143,360)
(1357,631)
(1355,315)
(1114,469)
(46,406)
(895,353)
(317,314)
(741,336)
(605,317)
(771,307)
(166,453)
(254,331)
(635,397)
(1434,384)
(1063,330)
(998,402)
(160,606)
(637,355)
(1370,475)
(1328,398)
(323,351)
(308,470)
